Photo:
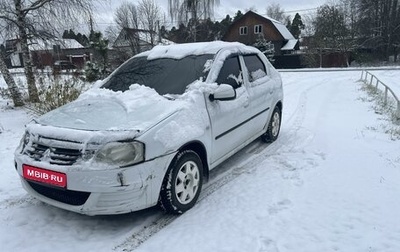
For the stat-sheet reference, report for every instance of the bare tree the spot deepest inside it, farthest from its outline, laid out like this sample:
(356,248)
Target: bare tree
(275,11)
(352,15)
(137,21)
(150,16)
(186,10)
(126,16)
(127,19)
(29,18)
(380,21)
(111,33)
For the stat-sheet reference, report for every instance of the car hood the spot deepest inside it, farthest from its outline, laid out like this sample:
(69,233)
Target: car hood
(112,112)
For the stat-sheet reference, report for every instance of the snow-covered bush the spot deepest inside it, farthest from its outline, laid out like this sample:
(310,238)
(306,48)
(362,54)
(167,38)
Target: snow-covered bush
(95,71)
(57,91)
(92,71)
(266,47)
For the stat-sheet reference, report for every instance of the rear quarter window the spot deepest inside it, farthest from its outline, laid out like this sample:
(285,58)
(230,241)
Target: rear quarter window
(255,66)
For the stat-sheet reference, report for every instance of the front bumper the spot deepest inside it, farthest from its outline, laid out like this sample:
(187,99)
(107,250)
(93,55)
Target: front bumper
(98,192)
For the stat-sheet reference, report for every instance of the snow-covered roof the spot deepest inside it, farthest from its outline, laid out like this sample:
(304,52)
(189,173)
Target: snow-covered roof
(143,35)
(290,45)
(41,44)
(282,29)
(178,51)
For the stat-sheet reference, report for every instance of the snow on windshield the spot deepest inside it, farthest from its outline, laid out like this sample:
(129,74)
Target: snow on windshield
(165,75)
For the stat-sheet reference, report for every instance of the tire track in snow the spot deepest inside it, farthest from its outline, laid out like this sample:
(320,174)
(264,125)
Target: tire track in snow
(216,181)
(18,201)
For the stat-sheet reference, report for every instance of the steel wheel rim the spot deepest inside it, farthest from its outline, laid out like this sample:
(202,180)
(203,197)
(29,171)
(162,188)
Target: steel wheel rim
(187,182)
(276,121)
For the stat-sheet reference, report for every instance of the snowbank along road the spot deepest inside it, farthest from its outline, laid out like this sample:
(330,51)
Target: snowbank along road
(329,183)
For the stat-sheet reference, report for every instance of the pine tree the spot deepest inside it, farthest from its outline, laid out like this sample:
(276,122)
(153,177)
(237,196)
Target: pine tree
(296,26)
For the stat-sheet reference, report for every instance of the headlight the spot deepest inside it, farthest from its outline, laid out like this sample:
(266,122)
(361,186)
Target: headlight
(121,153)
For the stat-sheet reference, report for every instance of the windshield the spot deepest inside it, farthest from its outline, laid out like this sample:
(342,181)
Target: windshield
(165,75)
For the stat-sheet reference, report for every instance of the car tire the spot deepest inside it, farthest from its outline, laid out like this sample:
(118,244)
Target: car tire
(274,126)
(182,184)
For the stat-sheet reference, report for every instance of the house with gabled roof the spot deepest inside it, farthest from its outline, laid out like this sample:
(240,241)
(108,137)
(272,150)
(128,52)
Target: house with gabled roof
(252,27)
(138,40)
(46,51)
(132,41)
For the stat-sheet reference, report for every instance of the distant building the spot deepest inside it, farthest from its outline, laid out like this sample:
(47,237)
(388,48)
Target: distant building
(130,42)
(252,27)
(44,52)
(138,40)
(13,55)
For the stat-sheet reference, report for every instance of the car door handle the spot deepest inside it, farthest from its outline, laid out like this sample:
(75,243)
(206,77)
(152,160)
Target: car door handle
(246,104)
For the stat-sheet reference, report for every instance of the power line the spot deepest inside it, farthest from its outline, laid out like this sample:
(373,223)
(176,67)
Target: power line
(303,10)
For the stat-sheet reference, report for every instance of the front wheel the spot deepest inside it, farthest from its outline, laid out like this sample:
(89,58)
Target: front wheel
(274,126)
(182,184)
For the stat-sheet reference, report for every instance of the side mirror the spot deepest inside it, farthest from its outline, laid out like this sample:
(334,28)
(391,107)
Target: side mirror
(224,92)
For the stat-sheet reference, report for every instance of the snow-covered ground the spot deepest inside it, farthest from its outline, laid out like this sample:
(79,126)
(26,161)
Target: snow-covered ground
(329,183)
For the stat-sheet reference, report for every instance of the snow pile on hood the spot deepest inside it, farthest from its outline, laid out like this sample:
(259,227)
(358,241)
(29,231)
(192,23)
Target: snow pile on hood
(98,112)
(101,109)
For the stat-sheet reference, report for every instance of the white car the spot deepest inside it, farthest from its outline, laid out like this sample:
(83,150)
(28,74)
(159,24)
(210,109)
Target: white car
(150,133)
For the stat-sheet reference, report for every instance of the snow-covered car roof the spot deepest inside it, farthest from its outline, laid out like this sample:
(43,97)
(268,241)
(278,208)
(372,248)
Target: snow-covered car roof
(178,51)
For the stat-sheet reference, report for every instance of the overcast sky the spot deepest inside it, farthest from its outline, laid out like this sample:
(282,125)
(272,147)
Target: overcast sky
(105,12)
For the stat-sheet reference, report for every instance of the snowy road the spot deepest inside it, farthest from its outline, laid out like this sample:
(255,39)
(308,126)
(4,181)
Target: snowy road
(329,183)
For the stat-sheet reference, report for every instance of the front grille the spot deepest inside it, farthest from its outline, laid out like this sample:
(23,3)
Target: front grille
(70,197)
(50,150)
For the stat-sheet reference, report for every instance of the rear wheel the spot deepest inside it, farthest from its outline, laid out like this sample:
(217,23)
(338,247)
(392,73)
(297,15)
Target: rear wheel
(182,184)
(274,126)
